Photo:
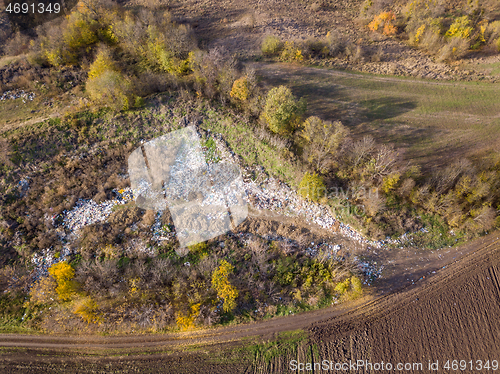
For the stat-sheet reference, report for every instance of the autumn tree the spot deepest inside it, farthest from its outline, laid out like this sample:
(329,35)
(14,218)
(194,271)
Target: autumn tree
(63,273)
(282,111)
(107,85)
(312,187)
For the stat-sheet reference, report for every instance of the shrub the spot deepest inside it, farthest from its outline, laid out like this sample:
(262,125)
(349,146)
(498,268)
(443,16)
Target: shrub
(356,287)
(365,7)
(185,322)
(384,21)
(334,44)
(390,182)
(86,309)
(461,28)
(323,139)
(80,32)
(493,33)
(312,187)
(78,35)
(418,34)
(373,203)
(350,288)
(101,64)
(454,50)
(485,218)
(422,9)
(162,55)
(240,89)
(215,72)
(18,44)
(342,287)
(282,111)
(44,291)
(107,86)
(291,53)
(63,273)
(271,45)
(221,284)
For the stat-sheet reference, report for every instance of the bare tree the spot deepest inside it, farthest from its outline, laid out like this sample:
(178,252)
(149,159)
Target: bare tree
(323,139)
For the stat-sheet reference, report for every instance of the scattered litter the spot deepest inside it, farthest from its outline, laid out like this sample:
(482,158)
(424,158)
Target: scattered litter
(17,94)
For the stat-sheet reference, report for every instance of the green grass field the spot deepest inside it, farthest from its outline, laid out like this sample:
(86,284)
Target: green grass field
(433,122)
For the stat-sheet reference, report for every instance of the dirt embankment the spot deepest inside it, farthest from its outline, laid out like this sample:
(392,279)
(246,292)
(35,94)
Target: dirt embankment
(240,26)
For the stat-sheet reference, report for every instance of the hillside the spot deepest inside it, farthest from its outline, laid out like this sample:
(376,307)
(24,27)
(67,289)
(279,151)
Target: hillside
(359,139)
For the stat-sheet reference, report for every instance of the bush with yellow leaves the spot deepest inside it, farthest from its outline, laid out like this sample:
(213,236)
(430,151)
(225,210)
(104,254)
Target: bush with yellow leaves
(240,89)
(390,182)
(106,85)
(350,288)
(221,284)
(291,53)
(63,273)
(312,187)
(87,308)
(186,321)
(460,28)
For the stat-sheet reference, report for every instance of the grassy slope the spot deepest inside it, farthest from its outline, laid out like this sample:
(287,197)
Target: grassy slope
(434,121)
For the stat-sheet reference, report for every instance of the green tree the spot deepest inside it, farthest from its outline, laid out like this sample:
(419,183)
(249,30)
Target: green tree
(282,110)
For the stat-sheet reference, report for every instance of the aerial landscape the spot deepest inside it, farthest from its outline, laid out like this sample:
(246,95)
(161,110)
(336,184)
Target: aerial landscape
(198,186)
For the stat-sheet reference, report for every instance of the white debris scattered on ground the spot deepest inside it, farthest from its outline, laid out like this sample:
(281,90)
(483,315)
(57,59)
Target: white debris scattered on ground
(24,185)
(46,258)
(161,233)
(87,212)
(17,94)
(371,269)
(271,195)
(277,196)
(136,246)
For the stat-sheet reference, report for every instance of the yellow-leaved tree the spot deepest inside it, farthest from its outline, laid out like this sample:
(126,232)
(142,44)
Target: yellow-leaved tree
(240,90)
(221,284)
(312,187)
(106,85)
